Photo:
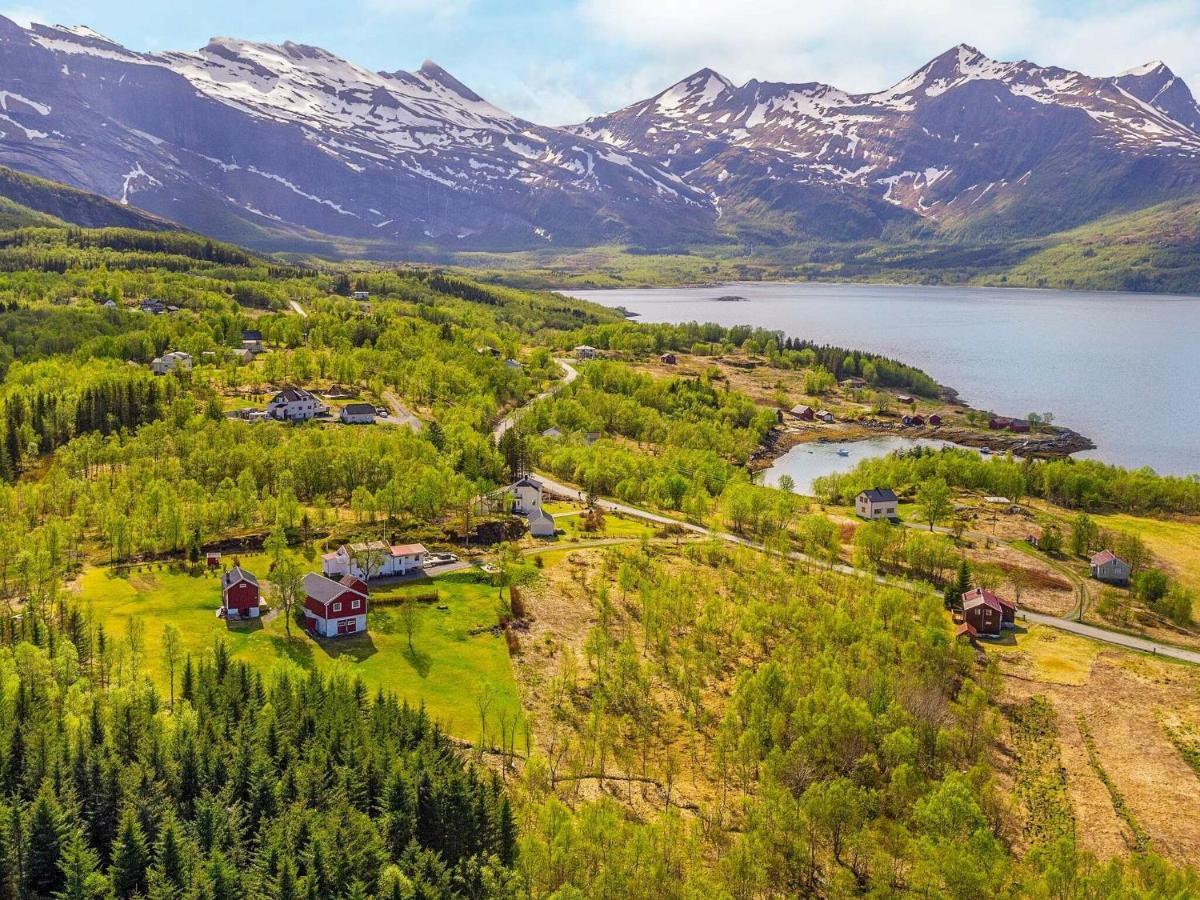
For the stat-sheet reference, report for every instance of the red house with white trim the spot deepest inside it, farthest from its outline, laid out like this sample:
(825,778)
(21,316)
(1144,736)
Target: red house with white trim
(988,613)
(335,608)
(240,596)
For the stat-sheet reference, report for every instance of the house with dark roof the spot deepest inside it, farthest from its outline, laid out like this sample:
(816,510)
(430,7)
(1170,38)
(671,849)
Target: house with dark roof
(527,496)
(357,414)
(876,503)
(240,596)
(988,613)
(292,404)
(1106,566)
(334,608)
(252,340)
(804,413)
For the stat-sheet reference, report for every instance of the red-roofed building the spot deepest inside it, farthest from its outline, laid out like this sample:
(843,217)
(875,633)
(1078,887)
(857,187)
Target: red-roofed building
(988,613)
(965,630)
(382,560)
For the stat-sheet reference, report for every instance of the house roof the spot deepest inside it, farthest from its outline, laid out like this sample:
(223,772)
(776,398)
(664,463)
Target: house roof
(527,482)
(965,628)
(801,410)
(291,394)
(359,409)
(324,589)
(252,335)
(364,546)
(235,575)
(551,432)
(978,596)
(880,495)
(1106,556)
(354,583)
(407,549)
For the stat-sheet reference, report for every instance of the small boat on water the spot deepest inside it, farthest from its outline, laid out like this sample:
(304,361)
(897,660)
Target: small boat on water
(842,451)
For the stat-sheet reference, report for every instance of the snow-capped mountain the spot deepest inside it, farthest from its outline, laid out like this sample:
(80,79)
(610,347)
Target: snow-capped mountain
(965,142)
(239,137)
(290,146)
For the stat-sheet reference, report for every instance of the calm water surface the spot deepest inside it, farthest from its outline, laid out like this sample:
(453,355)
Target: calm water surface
(1123,369)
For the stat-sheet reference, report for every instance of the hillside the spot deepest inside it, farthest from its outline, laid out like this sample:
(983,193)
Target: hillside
(687,684)
(48,202)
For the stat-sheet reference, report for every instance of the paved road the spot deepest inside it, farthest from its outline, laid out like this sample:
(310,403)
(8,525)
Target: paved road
(1113,637)
(401,414)
(569,375)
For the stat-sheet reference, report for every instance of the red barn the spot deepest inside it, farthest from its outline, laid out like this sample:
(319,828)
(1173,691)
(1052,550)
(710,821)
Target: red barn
(935,419)
(334,608)
(240,597)
(213,558)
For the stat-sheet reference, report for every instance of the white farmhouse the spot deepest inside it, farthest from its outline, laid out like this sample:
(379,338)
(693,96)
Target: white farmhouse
(292,404)
(374,559)
(877,503)
(527,496)
(169,362)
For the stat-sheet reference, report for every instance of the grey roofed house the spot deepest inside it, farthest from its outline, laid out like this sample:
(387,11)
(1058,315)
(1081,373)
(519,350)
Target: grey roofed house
(359,409)
(236,574)
(292,395)
(551,433)
(252,335)
(880,495)
(324,589)
(527,482)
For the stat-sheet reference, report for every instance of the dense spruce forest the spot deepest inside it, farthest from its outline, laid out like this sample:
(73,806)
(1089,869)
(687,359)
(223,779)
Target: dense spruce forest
(688,718)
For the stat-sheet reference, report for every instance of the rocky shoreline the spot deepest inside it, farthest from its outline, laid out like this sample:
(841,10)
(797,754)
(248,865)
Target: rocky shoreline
(1053,443)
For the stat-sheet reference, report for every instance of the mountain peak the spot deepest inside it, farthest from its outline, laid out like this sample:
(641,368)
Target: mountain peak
(431,71)
(699,89)
(1154,67)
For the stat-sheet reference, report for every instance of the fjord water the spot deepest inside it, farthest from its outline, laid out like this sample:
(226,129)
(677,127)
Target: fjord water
(1123,369)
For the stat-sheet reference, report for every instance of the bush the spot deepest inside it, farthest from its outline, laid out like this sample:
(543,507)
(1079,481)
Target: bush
(1151,585)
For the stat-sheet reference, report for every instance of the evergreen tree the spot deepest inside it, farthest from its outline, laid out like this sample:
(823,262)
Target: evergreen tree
(43,874)
(80,869)
(130,858)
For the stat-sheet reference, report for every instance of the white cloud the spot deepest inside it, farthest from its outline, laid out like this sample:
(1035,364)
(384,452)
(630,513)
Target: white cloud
(866,45)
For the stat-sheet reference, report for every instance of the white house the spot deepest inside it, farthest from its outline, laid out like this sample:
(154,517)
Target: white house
(292,404)
(362,295)
(358,414)
(169,362)
(877,503)
(383,560)
(527,496)
(1106,566)
(583,351)
(252,340)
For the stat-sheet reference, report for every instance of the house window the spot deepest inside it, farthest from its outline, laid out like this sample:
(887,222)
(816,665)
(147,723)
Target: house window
(354,604)
(337,607)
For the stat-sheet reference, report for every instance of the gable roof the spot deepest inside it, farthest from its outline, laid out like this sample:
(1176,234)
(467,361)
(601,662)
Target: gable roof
(965,628)
(527,482)
(980,596)
(880,495)
(291,394)
(323,589)
(251,335)
(359,409)
(1106,556)
(407,549)
(235,575)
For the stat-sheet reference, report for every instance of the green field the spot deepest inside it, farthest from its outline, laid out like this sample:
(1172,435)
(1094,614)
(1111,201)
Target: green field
(1176,543)
(447,668)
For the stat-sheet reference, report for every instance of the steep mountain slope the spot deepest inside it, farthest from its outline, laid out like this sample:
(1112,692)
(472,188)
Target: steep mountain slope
(967,144)
(49,203)
(239,137)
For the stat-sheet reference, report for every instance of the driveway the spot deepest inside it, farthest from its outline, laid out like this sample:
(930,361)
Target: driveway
(401,414)
(569,374)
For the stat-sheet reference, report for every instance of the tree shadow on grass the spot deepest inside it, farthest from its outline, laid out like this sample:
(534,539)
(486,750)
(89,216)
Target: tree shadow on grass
(419,660)
(357,648)
(298,649)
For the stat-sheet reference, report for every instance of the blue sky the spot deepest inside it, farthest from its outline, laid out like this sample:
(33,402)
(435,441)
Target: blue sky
(558,61)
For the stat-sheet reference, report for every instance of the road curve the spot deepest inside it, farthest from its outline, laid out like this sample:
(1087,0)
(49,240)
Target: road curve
(569,374)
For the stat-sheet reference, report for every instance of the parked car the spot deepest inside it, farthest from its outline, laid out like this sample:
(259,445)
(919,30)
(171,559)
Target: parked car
(441,559)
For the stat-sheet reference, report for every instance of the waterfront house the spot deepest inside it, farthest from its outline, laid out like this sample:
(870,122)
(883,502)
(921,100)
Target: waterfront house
(825,415)
(804,413)
(876,503)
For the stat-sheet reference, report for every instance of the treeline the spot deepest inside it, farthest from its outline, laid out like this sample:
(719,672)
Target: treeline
(640,339)
(242,787)
(37,421)
(1085,484)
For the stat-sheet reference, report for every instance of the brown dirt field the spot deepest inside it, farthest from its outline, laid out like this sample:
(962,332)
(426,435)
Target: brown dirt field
(1123,699)
(1045,590)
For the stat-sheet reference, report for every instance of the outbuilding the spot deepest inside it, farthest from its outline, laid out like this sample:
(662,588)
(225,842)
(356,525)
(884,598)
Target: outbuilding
(668,359)
(804,413)
(358,414)
(240,596)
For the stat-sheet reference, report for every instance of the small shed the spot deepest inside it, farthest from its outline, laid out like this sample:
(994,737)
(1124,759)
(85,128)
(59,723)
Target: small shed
(668,359)
(824,415)
(935,419)
(805,413)
(907,401)
(213,559)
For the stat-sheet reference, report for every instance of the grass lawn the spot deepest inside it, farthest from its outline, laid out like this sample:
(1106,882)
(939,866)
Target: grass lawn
(447,668)
(1052,656)
(1175,542)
